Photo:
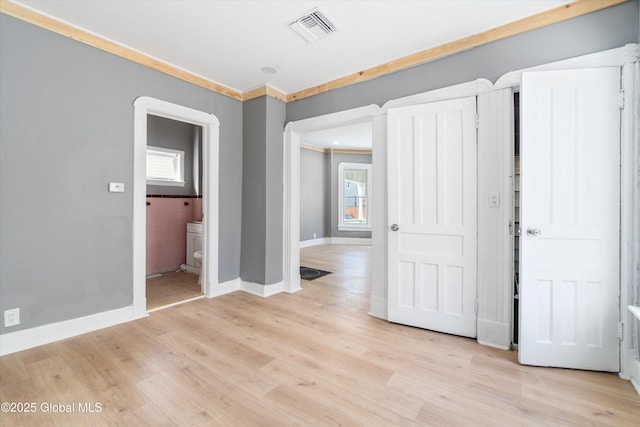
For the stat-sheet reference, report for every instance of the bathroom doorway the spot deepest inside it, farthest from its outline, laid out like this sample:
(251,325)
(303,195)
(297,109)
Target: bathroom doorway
(201,210)
(174,212)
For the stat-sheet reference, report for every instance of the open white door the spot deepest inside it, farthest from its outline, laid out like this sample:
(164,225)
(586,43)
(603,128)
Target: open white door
(432,213)
(570,209)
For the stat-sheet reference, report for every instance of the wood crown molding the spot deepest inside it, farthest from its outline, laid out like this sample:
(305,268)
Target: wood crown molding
(265,90)
(552,16)
(42,21)
(335,150)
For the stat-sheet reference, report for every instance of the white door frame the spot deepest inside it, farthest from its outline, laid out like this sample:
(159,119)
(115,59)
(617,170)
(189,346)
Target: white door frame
(481,88)
(144,106)
(626,57)
(291,217)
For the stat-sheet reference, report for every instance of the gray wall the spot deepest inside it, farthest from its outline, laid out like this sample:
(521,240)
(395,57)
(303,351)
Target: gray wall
(319,193)
(66,130)
(254,201)
(167,133)
(314,198)
(262,191)
(602,30)
(276,112)
(335,160)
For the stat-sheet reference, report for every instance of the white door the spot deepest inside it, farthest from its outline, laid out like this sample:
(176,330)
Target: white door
(570,207)
(432,232)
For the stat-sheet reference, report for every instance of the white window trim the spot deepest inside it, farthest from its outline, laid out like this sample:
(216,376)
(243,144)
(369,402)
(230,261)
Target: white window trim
(178,181)
(353,227)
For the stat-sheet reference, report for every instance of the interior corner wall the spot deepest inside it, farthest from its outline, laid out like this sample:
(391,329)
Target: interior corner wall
(274,179)
(254,196)
(313,197)
(66,131)
(262,191)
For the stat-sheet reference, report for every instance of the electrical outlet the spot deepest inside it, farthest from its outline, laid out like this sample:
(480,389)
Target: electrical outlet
(314,235)
(11,317)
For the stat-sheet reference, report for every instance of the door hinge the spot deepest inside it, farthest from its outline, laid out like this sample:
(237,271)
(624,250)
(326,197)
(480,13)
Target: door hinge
(621,99)
(477,305)
(620,331)
(477,121)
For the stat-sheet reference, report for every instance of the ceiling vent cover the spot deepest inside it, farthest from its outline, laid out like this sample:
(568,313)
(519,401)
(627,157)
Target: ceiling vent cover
(314,25)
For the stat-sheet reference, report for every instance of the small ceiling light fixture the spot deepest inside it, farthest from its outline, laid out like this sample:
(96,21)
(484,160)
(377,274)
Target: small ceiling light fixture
(313,25)
(268,70)
(336,142)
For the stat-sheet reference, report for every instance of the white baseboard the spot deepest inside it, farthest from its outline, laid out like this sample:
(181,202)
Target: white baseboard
(350,241)
(378,307)
(635,375)
(45,334)
(226,287)
(494,334)
(314,242)
(262,290)
(336,241)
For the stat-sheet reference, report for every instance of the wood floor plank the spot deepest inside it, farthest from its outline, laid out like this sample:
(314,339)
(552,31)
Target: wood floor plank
(171,287)
(314,357)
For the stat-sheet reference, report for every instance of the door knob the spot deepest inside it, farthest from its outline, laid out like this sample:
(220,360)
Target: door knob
(395,227)
(534,232)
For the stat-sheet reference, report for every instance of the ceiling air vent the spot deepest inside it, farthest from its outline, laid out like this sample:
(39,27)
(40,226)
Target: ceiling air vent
(314,25)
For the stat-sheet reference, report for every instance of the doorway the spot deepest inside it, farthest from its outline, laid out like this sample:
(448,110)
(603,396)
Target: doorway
(336,187)
(174,212)
(143,108)
(292,178)
(570,219)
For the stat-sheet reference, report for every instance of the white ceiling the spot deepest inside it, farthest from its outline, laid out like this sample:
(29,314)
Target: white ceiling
(358,136)
(228,42)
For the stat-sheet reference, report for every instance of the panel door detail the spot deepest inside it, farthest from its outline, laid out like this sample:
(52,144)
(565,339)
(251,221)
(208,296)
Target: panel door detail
(432,215)
(570,207)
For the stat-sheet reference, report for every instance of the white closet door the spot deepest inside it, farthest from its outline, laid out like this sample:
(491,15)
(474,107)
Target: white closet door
(570,207)
(432,212)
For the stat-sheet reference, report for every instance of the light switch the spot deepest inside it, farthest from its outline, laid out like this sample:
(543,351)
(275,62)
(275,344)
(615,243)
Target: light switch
(116,187)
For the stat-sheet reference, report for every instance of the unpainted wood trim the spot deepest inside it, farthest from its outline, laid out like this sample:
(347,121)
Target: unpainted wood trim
(349,151)
(552,16)
(265,90)
(335,150)
(66,30)
(313,148)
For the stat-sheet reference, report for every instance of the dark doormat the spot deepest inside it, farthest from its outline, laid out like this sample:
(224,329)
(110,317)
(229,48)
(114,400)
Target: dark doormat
(307,273)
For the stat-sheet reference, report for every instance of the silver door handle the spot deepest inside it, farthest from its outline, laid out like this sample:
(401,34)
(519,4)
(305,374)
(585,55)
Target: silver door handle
(534,232)
(394,227)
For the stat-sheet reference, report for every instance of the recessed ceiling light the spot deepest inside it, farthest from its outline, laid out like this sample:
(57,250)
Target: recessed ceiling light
(336,142)
(269,70)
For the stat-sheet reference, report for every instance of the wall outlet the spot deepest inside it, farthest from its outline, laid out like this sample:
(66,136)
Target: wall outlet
(11,317)
(314,235)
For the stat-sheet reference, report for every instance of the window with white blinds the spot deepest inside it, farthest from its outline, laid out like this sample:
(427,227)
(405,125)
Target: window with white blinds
(165,166)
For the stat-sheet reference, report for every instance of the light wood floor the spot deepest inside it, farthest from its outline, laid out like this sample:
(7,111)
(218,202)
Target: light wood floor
(170,288)
(310,358)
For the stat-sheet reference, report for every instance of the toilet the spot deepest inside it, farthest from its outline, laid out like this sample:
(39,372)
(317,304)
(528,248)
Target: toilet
(197,256)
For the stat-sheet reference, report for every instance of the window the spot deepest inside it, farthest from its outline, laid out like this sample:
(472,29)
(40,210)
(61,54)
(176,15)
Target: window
(354,196)
(165,166)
